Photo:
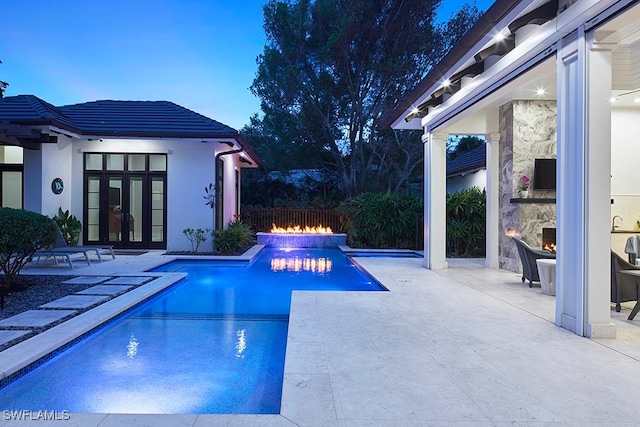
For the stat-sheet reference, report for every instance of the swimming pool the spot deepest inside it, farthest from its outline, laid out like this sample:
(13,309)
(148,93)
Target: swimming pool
(214,343)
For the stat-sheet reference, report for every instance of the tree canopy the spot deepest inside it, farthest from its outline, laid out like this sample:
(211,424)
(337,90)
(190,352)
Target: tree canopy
(329,72)
(461,144)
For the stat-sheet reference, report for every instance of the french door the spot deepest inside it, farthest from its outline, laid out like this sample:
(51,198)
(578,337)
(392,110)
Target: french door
(125,207)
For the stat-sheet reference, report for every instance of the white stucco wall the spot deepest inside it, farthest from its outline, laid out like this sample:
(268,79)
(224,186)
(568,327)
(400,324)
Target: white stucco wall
(229,204)
(190,168)
(41,167)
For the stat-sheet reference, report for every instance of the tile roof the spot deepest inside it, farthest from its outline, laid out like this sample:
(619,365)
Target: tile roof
(143,118)
(154,119)
(472,161)
(29,109)
(115,118)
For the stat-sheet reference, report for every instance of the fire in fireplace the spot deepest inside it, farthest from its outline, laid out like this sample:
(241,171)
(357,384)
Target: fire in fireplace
(549,239)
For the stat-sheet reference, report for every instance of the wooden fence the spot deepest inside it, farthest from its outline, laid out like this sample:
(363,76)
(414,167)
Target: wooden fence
(262,220)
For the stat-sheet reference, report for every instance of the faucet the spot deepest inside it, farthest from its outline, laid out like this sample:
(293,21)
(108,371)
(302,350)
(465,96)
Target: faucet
(613,222)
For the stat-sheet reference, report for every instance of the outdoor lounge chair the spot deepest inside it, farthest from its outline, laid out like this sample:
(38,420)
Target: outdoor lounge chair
(60,250)
(528,257)
(623,287)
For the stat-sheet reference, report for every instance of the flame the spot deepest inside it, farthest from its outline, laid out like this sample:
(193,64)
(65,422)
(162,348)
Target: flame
(511,233)
(551,247)
(299,230)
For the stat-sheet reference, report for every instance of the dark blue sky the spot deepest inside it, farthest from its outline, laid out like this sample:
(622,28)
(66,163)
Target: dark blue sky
(197,53)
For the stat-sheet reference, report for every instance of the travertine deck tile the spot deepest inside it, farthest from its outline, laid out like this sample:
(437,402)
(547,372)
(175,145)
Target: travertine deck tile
(6,336)
(36,318)
(127,280)
(87,280)
(76,301)
(104,290)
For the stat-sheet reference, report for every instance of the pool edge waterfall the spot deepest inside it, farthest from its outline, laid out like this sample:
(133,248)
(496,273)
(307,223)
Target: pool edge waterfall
(301,240)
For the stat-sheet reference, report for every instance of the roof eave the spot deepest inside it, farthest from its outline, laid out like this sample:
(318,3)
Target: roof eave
(496,13)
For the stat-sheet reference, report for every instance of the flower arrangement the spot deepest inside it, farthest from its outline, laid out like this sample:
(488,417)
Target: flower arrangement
(523,183)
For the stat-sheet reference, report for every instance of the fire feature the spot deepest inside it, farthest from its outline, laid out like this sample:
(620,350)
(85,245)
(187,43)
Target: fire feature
(301,230)
(549,239)
(302,237)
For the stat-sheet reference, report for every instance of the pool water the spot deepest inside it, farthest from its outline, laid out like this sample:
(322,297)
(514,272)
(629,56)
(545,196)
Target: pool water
(214,343)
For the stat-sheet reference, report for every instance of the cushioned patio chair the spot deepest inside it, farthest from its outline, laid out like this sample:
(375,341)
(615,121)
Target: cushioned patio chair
(528,257)
(632,248)
(623,287)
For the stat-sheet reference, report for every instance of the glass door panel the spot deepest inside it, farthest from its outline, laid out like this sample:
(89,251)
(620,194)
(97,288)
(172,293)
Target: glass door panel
(115,209)
(136,219)
(93,209)
(157,209)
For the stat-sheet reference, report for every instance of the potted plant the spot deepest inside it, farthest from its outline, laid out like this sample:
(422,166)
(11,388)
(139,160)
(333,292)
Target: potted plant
(523,186)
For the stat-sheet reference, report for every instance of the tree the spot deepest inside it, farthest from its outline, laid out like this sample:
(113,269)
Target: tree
(332,68)
(460,145)
(3,86)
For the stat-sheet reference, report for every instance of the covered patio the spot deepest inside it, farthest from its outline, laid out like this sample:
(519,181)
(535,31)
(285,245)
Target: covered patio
(541,80)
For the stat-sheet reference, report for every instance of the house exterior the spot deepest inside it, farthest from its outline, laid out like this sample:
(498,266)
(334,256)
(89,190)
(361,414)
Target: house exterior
(541,79)
(133,172)
(468,170)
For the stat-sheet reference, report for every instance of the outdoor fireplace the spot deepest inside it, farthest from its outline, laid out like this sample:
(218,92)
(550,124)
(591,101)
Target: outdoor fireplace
(549,239)
(302,237)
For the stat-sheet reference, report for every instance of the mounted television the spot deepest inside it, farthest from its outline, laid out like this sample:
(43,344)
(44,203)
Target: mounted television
(544,174)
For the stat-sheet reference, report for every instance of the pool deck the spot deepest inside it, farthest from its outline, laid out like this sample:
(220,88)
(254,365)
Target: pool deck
(466,346)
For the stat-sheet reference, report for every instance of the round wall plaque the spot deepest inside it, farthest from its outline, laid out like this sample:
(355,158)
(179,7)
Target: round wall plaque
(57,186)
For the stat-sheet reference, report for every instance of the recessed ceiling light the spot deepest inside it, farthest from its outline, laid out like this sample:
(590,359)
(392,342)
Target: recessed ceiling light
(636,100)
(446,83)
(415,110)
(612,100)
(540,91)
(498,37)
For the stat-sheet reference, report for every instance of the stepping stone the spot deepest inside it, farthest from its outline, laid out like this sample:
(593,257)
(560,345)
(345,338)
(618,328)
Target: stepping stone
(104,290)
(6,336)
(128,280)
(86,280)
(75,301)
(36,318)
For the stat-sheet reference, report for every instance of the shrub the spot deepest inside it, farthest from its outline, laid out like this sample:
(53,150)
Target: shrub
(381,220)
(235,237)
(196,237)
(466,223)
(22,233)
(69,226)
